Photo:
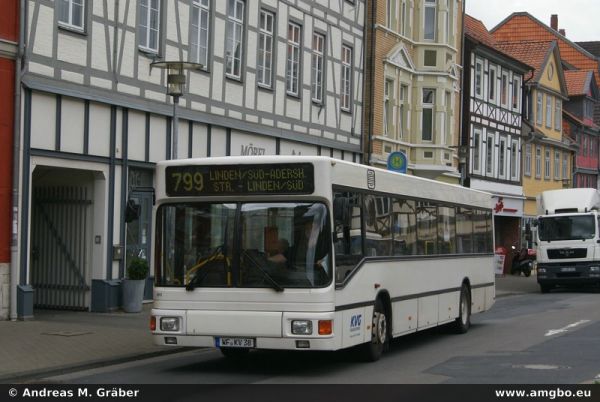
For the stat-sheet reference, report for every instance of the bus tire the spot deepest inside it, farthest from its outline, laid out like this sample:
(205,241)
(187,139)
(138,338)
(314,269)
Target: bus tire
(545,288)
(463,321)
(372,351)
(234,353)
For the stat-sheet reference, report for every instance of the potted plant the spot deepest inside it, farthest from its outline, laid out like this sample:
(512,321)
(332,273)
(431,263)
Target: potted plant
(133,285)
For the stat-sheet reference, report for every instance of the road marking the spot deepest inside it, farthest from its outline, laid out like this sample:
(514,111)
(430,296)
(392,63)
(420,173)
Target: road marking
(565,329)
(540,366)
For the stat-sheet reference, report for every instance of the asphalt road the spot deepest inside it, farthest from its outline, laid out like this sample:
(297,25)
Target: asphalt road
(524,339)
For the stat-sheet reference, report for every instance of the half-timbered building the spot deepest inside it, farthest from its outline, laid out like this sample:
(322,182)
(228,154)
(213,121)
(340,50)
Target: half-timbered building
(274,77)
(492,136)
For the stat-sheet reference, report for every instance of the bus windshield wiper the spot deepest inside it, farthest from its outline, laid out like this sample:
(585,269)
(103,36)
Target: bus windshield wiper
(269,278)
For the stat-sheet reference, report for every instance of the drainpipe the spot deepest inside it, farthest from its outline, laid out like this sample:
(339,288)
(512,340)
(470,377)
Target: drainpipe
(371,26)
(465,167)
(14,246)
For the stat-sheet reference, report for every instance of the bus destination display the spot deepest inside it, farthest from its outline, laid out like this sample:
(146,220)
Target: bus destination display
(189,180)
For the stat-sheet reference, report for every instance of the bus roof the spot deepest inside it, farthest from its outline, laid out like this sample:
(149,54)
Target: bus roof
(330,171)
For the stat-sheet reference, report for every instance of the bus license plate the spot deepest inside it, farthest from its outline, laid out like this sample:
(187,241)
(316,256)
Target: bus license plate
(235,342)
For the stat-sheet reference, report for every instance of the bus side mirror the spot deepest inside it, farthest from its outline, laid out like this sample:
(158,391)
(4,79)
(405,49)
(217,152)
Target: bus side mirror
(132,211)
(341,209)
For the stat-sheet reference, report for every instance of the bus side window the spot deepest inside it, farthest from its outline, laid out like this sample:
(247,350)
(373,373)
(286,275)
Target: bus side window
(378,235)
(404,227)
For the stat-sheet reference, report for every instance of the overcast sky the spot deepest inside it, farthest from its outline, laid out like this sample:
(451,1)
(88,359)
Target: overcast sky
(580,18)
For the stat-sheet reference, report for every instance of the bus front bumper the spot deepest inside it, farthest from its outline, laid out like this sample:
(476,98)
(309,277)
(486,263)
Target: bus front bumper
(204,341)
(253,329)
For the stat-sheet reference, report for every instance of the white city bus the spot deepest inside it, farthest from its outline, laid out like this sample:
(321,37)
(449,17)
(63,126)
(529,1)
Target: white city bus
(313,253)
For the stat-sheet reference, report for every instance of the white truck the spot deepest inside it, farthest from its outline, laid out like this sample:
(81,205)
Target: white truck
(568,238)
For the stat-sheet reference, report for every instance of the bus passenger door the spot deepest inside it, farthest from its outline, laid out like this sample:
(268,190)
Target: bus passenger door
(348,243)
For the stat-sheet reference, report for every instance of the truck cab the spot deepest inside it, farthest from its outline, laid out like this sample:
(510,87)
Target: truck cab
(568,241)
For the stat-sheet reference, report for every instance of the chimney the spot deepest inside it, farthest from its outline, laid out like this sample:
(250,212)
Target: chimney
(554,22)
(562,32)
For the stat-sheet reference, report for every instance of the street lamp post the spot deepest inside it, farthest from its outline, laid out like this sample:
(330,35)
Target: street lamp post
(175,85)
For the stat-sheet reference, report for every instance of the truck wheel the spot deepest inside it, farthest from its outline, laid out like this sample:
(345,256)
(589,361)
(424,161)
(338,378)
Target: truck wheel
(463,321)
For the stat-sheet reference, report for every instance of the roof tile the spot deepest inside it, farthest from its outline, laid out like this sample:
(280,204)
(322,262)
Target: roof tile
(577,81)
(528,52)
(475,29)
(523,26)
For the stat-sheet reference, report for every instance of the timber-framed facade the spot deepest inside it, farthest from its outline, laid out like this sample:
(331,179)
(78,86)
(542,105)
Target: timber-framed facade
(278,77)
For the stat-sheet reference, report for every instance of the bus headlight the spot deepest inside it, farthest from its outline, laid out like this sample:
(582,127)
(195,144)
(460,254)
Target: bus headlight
(594,269)
(541,270)
(302,327)
(170,324)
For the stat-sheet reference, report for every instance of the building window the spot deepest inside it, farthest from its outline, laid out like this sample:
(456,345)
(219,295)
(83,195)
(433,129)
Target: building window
(547,163)
(430,58)
(403,18)
(427,123)
(449,119)
(388,92)
(403,110)
(516,93)
(588,109)
(478,77)
(234,38)
(514,160)
(502,158)
(557,114)
(556,165)
(346,77)
(149,28)
(265,48)
(318,52)
(539,109)
(71,13)
(492,84)
(200,27)
(504,90)
(489,155)
(538,161)
(391,13)
(293,59)
(476,149)
(548,111)
(527,162)
(565,166)
(447,23)
(430,19)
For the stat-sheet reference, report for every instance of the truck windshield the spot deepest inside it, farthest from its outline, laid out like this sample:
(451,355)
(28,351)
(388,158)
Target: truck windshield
(576,227)
(250,245)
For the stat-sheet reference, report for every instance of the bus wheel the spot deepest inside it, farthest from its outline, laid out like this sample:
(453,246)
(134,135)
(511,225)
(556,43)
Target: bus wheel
(235,353)
(544,288)
(463,322)
(371,351)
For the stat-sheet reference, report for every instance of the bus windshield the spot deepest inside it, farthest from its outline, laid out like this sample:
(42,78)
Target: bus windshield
(248,245)
(575,227)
